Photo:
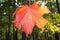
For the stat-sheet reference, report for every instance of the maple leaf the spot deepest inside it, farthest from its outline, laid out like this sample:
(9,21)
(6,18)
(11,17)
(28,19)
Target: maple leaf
(27,17)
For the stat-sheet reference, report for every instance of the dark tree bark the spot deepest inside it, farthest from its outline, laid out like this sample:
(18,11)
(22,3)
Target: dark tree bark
(58,6)
(15,37)
(8,29)
(56,36)
(24,37)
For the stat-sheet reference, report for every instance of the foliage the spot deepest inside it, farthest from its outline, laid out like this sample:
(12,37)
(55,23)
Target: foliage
(54,24)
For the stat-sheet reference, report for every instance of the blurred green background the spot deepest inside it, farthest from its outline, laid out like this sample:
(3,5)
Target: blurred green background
(9,32)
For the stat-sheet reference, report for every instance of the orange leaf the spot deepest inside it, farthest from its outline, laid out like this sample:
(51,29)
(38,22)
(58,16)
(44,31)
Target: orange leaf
(28,16)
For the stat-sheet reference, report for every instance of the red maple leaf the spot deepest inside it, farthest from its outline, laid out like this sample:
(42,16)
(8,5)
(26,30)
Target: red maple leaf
(28,16)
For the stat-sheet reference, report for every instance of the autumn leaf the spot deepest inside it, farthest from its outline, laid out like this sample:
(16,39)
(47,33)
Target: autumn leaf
(26,17)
